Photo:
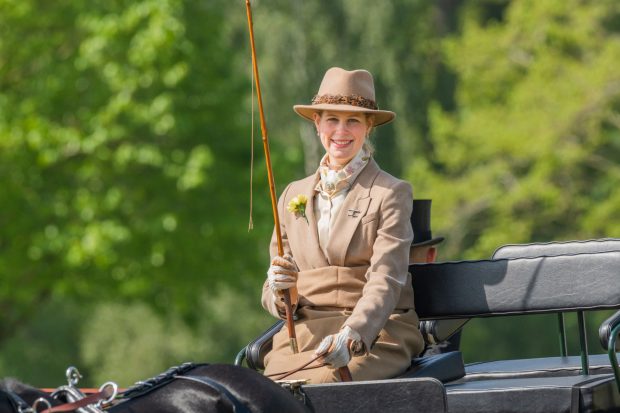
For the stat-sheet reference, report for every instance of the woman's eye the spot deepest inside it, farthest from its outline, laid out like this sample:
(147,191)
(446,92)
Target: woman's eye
(353,121)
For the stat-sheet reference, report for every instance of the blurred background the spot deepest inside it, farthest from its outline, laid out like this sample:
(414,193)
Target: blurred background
(125,154)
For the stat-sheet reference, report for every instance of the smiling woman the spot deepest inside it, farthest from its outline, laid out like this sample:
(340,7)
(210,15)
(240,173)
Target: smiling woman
(342,134)
(345,260)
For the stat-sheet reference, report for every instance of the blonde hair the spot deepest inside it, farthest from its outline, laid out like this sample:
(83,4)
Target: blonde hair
(368,145)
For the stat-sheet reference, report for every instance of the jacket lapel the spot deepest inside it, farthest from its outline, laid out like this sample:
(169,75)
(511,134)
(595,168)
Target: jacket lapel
(353,209)
(312,243)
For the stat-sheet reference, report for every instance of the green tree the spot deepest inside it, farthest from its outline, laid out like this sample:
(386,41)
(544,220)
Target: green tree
(531,149)
(124,159)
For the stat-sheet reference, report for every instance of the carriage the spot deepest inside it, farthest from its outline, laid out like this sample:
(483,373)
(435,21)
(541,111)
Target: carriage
(556,277)
(526,279)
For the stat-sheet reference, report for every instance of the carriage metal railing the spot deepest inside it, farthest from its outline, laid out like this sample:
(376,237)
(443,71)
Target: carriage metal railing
(613,357)
(583,343)
(562,335)
(240,356)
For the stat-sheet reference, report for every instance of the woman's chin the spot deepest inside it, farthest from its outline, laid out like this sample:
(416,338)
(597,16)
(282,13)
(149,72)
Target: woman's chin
(341,154)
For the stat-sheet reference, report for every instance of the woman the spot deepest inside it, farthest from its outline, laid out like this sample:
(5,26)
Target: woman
(346,236)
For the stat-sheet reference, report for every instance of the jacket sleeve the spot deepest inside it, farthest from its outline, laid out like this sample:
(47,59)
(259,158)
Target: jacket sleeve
(388,270)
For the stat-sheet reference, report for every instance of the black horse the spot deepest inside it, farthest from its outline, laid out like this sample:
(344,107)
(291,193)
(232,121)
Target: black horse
(187,388)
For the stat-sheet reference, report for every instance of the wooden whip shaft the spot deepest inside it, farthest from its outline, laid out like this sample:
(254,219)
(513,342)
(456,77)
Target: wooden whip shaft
(272,188)
(345,374)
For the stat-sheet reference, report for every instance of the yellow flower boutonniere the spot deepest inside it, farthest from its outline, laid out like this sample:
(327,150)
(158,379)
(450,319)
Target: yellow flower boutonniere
(297,206)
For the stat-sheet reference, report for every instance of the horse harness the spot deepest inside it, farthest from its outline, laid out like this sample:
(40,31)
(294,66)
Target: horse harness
(99,401)
(17,403)
(180,373)
(238,407)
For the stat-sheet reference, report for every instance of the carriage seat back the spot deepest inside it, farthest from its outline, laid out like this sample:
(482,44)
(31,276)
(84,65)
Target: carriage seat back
(546,249)
(497,287)
(437,331)
(257,349)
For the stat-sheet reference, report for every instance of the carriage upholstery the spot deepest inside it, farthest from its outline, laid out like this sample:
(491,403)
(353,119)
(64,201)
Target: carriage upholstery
(536,367)
(435,331)
(538,285)
(565,394)
(540,249)
(258,348)
(416,395)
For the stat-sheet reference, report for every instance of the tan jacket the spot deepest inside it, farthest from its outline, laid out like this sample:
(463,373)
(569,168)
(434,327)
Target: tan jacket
(365,272)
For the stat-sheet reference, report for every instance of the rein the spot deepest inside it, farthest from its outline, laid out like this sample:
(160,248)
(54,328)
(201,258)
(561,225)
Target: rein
(284,374)
(344,372)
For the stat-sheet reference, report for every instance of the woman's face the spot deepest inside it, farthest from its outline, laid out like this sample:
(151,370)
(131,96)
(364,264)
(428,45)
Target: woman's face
(342,134)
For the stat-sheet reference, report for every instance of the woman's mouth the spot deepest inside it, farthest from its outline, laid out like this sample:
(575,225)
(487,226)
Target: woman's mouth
(341,143)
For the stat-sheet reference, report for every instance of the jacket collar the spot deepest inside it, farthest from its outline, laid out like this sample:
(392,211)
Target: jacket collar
(351,212)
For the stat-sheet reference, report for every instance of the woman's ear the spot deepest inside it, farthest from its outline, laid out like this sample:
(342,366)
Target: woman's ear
(317,118)
(370,122)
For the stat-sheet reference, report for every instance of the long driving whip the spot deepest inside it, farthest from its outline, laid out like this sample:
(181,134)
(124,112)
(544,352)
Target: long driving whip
(272,190)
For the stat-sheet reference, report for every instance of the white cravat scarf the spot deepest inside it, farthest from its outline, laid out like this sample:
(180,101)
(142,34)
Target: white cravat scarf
(333,181)
(333,188)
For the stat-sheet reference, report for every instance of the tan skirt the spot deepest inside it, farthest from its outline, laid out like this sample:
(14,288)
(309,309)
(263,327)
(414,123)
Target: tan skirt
(398,342)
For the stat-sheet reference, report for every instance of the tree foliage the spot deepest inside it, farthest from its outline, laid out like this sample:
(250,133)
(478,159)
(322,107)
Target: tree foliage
(531,151)
(124,157)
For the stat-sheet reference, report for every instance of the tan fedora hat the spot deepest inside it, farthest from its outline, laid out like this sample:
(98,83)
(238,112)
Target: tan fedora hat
(346,91)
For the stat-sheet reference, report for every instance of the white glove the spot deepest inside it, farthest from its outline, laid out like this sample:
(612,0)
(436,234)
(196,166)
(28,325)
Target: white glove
(282,273)
(335,348)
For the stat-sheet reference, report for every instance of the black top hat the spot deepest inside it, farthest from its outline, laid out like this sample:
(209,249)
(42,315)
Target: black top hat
(421,223)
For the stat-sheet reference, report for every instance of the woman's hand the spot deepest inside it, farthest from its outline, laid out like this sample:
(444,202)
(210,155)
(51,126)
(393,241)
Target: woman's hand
(282,273)
(335,349)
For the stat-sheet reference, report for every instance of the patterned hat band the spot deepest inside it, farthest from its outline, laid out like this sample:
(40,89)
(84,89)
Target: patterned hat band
(353,100)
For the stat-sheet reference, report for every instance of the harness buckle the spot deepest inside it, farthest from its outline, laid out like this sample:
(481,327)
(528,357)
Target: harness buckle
(294,387)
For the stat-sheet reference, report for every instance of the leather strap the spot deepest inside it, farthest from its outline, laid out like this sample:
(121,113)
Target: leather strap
(18,404)
(238,407)
(284,374)
(88,400)
(344,372)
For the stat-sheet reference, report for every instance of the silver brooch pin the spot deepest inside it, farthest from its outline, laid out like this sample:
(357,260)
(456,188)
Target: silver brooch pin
(353,212)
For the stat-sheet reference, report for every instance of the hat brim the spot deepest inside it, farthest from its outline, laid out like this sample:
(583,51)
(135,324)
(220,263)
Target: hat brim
(307,111)
(431,241)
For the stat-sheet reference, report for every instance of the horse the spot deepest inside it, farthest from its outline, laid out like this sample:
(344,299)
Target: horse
(220,388)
